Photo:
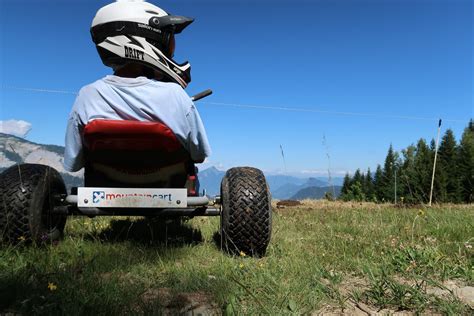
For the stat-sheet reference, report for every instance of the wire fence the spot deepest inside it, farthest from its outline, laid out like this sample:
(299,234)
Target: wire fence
(267,107)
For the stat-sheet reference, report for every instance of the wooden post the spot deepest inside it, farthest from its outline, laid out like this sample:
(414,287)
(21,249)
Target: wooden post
(434,163)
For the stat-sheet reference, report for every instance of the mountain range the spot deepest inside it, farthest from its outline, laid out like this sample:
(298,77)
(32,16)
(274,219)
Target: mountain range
(15,150)
(282,187)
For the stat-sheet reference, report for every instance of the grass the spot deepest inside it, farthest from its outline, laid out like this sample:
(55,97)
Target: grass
(321,253)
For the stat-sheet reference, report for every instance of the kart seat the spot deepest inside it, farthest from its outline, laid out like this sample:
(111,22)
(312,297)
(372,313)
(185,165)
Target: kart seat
(134,152)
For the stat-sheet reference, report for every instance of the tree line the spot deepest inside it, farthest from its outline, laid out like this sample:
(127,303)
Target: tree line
(406,176)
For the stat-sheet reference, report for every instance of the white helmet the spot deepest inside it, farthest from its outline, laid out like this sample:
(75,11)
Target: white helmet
(137,31)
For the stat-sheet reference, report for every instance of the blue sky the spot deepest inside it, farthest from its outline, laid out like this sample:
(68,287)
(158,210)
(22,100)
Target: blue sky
(355,65)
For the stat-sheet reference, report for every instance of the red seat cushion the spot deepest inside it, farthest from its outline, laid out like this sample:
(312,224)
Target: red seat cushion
(135,153)
(129,136)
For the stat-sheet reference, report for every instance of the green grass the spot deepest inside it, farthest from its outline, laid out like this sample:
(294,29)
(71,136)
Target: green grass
(320,253)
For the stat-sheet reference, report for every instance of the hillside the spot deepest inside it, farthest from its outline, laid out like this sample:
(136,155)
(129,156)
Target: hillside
(210,180)
(288,190)
(15,150)
(316,192)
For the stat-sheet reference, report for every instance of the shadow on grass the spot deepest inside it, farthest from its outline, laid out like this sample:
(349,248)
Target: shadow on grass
(153,231)
(96,278)
(217,239)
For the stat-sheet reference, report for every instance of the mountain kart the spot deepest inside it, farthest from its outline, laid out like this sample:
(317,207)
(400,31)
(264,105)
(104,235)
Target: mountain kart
(134,169)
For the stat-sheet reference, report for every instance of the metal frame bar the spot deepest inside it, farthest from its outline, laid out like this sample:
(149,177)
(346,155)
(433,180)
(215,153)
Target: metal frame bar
(94,211)
(197,206)
(191,200)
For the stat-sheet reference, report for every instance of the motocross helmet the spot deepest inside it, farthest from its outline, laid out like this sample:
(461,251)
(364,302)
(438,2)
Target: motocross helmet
(137,31)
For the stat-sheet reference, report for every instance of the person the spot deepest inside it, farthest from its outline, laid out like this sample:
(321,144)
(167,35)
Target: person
(136,39)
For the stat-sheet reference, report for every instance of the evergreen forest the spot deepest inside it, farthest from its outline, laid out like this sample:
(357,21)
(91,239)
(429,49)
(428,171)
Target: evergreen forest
(405,177)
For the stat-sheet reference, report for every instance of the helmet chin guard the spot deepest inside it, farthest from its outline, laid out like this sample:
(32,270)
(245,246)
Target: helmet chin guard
(138,32)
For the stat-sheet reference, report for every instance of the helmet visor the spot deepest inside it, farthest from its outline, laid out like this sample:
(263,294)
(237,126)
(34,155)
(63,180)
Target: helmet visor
(171,46)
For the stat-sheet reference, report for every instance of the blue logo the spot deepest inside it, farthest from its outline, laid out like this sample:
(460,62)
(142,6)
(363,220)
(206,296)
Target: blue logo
(97,196)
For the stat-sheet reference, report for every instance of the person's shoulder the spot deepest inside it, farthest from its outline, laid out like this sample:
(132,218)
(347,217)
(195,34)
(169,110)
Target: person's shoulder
(173,88)
(91,87)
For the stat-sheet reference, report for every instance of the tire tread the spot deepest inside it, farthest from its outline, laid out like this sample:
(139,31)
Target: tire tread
(246,222)
(16,198)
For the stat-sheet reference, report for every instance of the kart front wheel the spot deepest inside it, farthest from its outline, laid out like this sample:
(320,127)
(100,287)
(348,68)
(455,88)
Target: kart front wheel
(246,217)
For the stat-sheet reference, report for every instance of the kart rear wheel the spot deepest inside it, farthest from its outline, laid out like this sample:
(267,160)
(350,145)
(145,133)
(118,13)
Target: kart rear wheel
(27,195)
(246,217)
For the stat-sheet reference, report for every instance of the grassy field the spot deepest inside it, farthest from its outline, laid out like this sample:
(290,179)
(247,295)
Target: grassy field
(322,257)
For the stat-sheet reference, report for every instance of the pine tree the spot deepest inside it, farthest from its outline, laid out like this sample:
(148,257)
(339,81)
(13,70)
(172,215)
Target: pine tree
(378,184)
(357,178)
(353,187)
(362,183)
(466,164)
(369,187)
(356,193)
(346,185)
(408,177)
(388,182)
(448,174)
(423,167)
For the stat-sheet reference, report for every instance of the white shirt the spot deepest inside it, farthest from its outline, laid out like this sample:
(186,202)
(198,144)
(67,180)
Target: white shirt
(137,99)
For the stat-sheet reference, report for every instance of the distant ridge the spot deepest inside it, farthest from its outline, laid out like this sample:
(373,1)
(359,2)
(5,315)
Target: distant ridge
(281,186)
(315,193)
(15,150)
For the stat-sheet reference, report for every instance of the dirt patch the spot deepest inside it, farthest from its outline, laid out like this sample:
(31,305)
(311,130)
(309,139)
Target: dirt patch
(171,303)
(463,293)
(348,285)
(360,309)
(446,290)
(287,203)
(329,310)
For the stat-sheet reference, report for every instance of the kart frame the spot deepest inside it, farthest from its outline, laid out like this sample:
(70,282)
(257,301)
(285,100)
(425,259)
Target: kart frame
(196,206)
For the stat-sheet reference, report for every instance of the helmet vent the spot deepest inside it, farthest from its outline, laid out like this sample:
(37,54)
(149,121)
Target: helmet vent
(110,42)
(152,12)
(134,42)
